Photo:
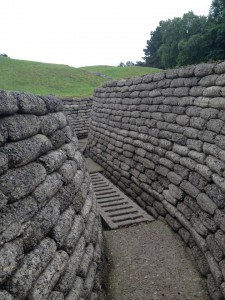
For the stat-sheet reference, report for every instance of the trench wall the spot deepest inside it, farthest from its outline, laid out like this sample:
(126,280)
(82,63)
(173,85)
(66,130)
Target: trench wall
(161,139)
(50,234)
(78,113)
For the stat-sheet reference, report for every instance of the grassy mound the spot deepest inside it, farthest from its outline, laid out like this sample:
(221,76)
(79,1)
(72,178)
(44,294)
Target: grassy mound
(60,80)
(120,72)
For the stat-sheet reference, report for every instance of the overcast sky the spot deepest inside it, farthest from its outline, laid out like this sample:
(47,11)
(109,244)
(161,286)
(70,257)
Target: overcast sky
(85,32)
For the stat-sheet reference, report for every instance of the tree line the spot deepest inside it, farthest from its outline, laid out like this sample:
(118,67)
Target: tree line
(190,39)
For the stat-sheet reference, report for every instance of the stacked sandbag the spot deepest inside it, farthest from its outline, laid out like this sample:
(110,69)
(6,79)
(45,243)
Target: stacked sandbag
(50,234)
(78,113)
(161,139)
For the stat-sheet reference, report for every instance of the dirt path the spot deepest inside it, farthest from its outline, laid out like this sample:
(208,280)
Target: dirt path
(149,262)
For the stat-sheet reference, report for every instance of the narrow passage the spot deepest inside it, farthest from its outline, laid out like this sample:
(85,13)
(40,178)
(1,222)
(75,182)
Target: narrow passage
(149,261)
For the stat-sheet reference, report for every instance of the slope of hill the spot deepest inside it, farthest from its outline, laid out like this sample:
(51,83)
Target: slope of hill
(119,72)
(59,80)
(43,78)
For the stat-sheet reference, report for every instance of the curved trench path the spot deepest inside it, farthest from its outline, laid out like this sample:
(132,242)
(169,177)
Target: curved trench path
(149,262)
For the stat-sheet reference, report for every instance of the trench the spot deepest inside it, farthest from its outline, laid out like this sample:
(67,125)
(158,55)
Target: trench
(145,259)
(160,139)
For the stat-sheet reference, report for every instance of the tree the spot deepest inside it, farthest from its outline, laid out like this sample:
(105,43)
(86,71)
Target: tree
(140,64)
(216,30)
(152,57)
(188,40)
(121,65)
(130,63)
(192,47)
(216,42)
(3,55)
(217,11)
(171,37)
(192,51)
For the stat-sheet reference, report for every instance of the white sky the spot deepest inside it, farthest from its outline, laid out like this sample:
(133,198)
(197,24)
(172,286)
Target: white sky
(85,32)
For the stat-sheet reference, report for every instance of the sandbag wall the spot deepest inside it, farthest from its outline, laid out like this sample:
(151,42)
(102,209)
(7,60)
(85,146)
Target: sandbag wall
(78,113)
(161,139)
(50,235)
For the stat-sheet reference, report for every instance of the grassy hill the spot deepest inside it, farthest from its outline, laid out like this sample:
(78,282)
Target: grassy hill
(60,80)
(43,79)
(120,72)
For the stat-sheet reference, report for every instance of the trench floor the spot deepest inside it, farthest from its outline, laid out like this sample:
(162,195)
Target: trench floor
(82,143)
(149,261)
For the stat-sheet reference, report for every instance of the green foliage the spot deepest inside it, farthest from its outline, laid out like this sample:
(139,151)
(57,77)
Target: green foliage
(217,11)
(168,51)
(216,42)
(58,80)
(3,55)
(128,64)
(188,40)
(152,57)
(191,51)
(121,64)
(140,64)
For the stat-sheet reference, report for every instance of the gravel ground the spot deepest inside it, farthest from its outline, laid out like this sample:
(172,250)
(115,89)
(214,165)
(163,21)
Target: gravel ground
(149,262)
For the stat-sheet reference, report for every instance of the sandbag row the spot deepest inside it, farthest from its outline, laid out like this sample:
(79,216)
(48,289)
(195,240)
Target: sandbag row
(78,113)
(50,233)
(161,139)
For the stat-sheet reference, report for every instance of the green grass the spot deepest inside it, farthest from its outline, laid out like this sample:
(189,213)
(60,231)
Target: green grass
(120,72)
(45,79)
(59,80)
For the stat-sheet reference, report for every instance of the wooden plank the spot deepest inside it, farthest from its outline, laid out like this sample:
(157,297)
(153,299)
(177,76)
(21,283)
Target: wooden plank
(116,209)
